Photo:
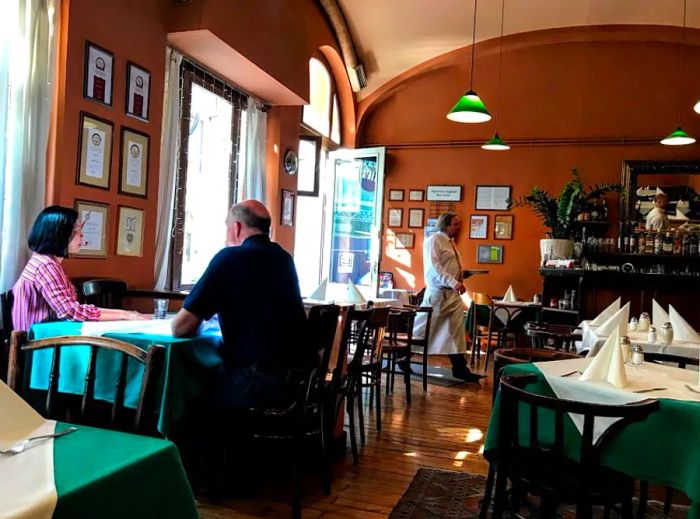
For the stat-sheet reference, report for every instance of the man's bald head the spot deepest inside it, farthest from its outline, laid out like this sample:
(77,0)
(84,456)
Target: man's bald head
(251,214)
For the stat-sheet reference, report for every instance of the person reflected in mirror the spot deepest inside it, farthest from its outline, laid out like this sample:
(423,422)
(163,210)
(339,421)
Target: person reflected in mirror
(657,219)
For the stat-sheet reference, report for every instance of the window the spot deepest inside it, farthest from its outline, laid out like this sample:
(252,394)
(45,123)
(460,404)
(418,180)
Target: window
(212,149)
(322,114)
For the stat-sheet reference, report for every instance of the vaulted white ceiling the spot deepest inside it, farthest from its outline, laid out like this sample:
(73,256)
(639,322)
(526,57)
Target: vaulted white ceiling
(392,36)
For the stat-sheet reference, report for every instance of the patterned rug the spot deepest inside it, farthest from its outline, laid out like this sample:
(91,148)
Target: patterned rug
(446,494)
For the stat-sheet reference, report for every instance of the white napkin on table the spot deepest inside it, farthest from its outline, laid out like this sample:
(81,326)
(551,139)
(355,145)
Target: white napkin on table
(608,365)
(658,314)
(682,331)
(354,295)
(618,321)
(510,295)
(607,313)
(320,293)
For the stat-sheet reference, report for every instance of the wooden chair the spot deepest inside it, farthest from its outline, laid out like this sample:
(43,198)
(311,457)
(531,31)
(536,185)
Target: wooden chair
(105,293)
(485,325)
(545,470)
(552,336)
(398,347)
(419,345)
(86,409)
(6,302)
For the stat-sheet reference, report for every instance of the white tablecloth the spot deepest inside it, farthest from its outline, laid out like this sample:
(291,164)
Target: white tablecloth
(396,294)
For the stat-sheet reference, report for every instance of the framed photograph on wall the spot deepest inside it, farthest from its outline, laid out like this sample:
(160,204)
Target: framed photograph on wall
(416,195)
(130,231)
(489,253)
(287,210)
(503,227)
(93,218)
(395,218)
(404,240)
(99,74)
(138,91)
(94,151)
(415,218)
(492,198)
(133,163)
(478,226)
(396,195)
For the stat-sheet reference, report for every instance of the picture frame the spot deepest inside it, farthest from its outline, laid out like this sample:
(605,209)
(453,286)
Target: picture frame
(396,195)
(489,253)
(492,198)
(430,227)
(386,280)
(94,151)
(98,79)
(478,226)
(503,227)
(395,218)
(287,208)
(444,193)
(405,240)
(416,195)
(94,218)
(415,218)
(133,163)
(130,231)
(138,91)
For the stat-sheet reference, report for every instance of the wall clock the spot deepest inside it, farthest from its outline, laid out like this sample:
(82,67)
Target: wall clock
(291,162)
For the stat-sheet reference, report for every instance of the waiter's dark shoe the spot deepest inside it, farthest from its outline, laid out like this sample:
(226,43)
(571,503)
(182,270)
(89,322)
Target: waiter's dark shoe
(403,366)
(467,375)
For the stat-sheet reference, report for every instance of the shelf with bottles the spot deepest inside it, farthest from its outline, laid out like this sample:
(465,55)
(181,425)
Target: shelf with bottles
(641,242)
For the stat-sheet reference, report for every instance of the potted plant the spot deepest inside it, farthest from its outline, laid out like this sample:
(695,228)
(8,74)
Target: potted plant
(560,213)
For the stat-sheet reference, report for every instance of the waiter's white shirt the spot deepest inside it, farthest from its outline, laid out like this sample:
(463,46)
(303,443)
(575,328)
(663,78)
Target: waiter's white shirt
(440,262)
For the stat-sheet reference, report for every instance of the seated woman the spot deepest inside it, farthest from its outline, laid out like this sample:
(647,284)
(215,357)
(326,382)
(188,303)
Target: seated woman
(43,291)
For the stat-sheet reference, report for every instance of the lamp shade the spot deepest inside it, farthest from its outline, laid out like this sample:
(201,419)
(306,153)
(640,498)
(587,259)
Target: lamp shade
(495,144)
(469,109)
(678,138)
(697,107)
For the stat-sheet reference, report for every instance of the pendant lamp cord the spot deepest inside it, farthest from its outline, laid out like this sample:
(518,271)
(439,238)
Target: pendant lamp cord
(680,65)
(500,54)
(471,76)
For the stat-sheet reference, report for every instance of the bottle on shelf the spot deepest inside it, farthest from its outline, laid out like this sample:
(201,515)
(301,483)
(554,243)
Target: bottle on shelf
(693,245)
(685,244)
(658,243)
(633,242)
(667,246)
(605,210)
(642,243)
(677,244)
(625,240)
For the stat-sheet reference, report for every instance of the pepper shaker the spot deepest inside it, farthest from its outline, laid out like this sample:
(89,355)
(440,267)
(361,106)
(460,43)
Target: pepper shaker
(651,334)
(644,322)
(666,334)
(637,355)
(633,325)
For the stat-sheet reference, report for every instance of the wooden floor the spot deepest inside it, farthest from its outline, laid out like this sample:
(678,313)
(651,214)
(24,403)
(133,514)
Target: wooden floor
(444,428)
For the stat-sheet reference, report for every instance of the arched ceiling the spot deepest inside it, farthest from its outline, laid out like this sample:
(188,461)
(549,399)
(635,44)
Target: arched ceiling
(392,36)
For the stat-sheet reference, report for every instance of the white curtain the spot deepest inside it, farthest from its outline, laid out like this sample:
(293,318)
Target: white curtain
(169,157)
(253,179)
(28,49)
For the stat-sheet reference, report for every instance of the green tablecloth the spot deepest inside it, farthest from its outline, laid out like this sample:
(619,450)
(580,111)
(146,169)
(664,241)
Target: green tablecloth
(663,449)
(113,475)
(188,362)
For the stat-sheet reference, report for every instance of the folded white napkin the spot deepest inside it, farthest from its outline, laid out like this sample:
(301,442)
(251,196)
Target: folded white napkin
(679,216)
(354,295)
(682,331)
(510,295)
(658,314)
(320,293)
(607,313)
(618,321)
(608,365)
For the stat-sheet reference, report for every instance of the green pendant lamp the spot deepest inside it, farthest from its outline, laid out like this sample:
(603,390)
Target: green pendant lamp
(496,143)
(470,108)
(679,137)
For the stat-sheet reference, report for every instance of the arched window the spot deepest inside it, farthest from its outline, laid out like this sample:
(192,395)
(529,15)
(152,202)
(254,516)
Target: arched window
(322,114)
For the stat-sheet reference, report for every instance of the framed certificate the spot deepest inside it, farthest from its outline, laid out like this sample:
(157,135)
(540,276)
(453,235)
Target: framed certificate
(99,74)
(287,212)
(503,227)
(440,193)
(94,151)
(395,218)
(478,226)
(133,163)
(130,232)
(492,198)
(416,195)
(138,91)
(415,218)
(404,240)
(93,218)
(396,195)
(489,254)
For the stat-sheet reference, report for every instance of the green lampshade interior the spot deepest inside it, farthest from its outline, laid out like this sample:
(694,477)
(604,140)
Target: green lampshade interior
(469,109)
(678,138)
(495,144)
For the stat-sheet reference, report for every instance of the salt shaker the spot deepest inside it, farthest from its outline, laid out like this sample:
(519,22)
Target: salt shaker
(644,322)
(637,355)
(666,334)
(633,325)
(626,346)
(651,334)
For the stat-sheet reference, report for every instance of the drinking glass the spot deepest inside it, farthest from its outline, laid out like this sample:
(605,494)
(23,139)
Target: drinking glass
(160,308)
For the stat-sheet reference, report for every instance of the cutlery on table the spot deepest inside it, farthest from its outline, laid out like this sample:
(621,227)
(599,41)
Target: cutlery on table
(691,388)
(575,372)
(650,390)
(16,449)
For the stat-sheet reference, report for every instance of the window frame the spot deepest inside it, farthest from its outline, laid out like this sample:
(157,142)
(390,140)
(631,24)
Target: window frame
(318,142)
(328,143)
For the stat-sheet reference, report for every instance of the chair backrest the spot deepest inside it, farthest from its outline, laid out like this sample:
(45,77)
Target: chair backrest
(681,361)
(6,302)
(556,336)
(369,327)
(105,293)
(400,326)
(90,410)
(417,299)
(322,326)
(483,309)
(514,404)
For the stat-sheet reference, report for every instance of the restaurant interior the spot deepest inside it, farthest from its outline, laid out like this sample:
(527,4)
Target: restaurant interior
(488,210)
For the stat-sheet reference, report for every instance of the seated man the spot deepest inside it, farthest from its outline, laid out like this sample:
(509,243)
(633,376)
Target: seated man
(252,285)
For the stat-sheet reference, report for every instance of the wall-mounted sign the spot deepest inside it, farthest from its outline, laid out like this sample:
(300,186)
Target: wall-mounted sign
(444,193)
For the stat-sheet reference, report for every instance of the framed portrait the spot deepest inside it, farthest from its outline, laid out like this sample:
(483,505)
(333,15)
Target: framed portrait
(444,193)
(404,240)
(492,198)
(386,280)
(503,227)
(93,218)
(416,195)
(489,253)
(287,210)
(478,226)
(396,195)
(99,74)
(430,227)
(415,218)
(138,91)
(395,217)
(133,163)
(130,232)
(94,151)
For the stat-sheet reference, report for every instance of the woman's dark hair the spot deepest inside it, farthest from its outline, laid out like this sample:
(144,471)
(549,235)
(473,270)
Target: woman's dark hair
(52,231)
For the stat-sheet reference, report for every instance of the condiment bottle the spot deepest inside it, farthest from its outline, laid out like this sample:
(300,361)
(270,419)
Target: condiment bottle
(666,334)
(637,355)
(626,346)
(644,322)
(651,335)
(633,325)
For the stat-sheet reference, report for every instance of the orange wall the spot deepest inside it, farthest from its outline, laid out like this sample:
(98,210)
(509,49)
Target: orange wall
(579,86)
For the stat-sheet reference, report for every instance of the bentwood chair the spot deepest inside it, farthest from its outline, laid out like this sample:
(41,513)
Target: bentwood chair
(398,347)
(85,408)
(536,467)
(552,336)
(6,302)
(105,293)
